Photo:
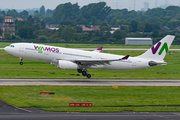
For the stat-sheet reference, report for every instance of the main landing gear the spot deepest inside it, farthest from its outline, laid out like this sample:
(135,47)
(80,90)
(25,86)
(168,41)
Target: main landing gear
(21,63)
(84,73)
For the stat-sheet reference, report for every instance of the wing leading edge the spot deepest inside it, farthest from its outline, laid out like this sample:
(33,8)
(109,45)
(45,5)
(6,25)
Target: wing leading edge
(90,62)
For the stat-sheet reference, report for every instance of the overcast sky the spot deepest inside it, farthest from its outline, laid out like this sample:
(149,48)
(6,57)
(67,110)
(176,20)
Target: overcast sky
(51,4)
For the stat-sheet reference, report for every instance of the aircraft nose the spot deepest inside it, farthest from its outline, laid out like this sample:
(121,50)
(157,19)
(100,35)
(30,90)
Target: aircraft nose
(6,49)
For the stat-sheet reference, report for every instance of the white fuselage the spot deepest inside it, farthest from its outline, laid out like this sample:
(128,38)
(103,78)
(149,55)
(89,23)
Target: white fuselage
(52,54)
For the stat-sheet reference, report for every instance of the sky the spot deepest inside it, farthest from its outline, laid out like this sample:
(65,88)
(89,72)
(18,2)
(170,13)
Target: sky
(52,4)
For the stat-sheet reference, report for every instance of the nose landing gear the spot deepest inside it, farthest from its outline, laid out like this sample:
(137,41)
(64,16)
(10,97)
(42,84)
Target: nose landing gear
(21,63)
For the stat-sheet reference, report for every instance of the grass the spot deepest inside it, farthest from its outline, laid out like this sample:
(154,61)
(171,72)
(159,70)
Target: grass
(103,98)
(10,68)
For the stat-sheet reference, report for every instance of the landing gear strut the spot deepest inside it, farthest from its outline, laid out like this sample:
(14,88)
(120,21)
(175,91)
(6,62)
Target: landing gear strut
(21,63)
(84,72)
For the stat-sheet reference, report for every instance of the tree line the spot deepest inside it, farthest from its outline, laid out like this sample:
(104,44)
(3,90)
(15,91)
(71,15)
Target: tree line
(68,16)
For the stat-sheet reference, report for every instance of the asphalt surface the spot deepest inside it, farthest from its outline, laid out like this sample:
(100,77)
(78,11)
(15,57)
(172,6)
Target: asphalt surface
(89,82)
(10,112)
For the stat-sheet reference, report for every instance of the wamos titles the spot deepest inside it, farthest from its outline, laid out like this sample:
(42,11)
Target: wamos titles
(50,49)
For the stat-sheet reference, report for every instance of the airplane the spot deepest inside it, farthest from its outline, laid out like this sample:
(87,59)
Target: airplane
(80,60)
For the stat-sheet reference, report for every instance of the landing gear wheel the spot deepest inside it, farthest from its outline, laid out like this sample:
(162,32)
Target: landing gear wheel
(79,70)
(21,63)
(88,76)
(84,73)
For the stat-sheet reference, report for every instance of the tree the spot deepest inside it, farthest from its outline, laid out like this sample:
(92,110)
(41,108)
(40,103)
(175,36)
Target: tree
(143,18)
(66,11)
(94,21)
(0,31)
(21,24)
(117,35)
(104,27)
(155,33)
(69,22)
(12,13)
(68,33)
(37,26)
(98,10)
(134,25)
(24,14)
(31,19)
(113,21)
(36,12)
(3,13)
(49,20)
(148,28)
(42,38)
(49,12)
(83,22)
(26,32)
(42,10)
(108,34)
(141,26)
(54,36)
(78,29)
(43,24)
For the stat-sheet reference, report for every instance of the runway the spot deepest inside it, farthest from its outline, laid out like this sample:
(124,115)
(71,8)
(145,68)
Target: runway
(89,82)
(8,111)
(11,112)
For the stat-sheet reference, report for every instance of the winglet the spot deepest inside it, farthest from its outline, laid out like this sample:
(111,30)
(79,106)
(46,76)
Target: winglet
(126,57)
(99,49)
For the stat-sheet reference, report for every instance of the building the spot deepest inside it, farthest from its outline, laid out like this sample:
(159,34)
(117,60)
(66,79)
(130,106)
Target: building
(138,41)
(165,28)
(20,19)
(113,29)
(177,29)
(8,26)
(146,6)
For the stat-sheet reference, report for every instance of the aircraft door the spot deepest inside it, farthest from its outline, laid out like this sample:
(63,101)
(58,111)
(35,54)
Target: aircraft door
(46,52)
(134,63)
(21,48)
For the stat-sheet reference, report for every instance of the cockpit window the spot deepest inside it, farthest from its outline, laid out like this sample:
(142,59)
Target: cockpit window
(11,45)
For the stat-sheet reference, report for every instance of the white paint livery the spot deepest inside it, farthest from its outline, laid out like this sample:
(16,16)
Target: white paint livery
(66,58)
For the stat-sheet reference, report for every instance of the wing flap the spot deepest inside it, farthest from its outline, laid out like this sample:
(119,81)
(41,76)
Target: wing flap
(98,61)
(90,62)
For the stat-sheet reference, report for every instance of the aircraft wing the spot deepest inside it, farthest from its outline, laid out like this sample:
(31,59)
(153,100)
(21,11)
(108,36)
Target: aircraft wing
(90,62)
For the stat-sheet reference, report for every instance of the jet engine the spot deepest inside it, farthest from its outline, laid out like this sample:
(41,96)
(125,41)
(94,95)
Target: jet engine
(67,65)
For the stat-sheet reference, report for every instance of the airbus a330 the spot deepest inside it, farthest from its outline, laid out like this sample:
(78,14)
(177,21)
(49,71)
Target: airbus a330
(80,60)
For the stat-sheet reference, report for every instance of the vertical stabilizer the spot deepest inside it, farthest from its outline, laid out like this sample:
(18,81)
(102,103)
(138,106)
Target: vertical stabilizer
(159,50)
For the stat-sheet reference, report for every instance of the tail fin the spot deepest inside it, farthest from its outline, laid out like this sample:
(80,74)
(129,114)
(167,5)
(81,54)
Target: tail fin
(158,51)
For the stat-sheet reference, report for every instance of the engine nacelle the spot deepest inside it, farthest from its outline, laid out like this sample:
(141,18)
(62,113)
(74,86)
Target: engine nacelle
(67,65)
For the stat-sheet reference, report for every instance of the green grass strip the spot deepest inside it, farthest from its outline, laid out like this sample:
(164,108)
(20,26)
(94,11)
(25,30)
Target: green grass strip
(103,98)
